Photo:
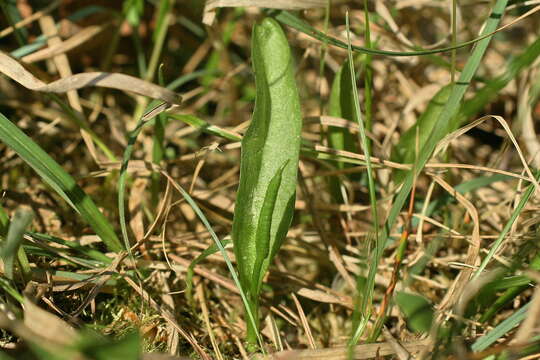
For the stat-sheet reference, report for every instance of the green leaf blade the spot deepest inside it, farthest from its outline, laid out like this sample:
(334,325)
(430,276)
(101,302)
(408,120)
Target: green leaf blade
(341,104)
(58,179)
(272,140)
(417,310)
(20,221)
(443,124)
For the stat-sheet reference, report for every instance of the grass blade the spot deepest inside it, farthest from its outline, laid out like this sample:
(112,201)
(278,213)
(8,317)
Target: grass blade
(293,21)
(447,116)
(163,17)
(87,251)
(341,105)
(20,221)
(58,179)
(8,288)
(205,126)
(508,324)
(517,211)
(251,317)
(212,249)
(404,150)
(493,87)
(4,221)
(132,139)
(367,293)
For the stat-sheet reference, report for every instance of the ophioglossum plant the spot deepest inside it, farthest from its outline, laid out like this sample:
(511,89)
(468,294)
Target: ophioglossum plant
(270,149)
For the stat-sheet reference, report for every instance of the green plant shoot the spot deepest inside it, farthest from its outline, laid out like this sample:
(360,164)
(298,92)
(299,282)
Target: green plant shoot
(269,163)
(341,104)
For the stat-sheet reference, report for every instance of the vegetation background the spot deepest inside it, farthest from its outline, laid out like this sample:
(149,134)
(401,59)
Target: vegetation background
(455,277)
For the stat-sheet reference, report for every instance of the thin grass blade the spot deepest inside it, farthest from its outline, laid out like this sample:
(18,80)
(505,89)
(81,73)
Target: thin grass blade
(212,249)
(445,120)
(19,222)
(289,19)
(367,295)
(58,179)
(404,151)
(341,105)
(517,211)
(491,337)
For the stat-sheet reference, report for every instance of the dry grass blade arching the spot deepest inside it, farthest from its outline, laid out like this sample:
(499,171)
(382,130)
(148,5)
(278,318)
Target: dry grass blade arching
(472,255)
(211,6)
(461,280)
(11,68)
(443,144)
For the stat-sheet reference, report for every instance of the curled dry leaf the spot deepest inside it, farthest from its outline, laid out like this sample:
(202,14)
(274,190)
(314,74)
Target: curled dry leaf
(212,5)
(11,68)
